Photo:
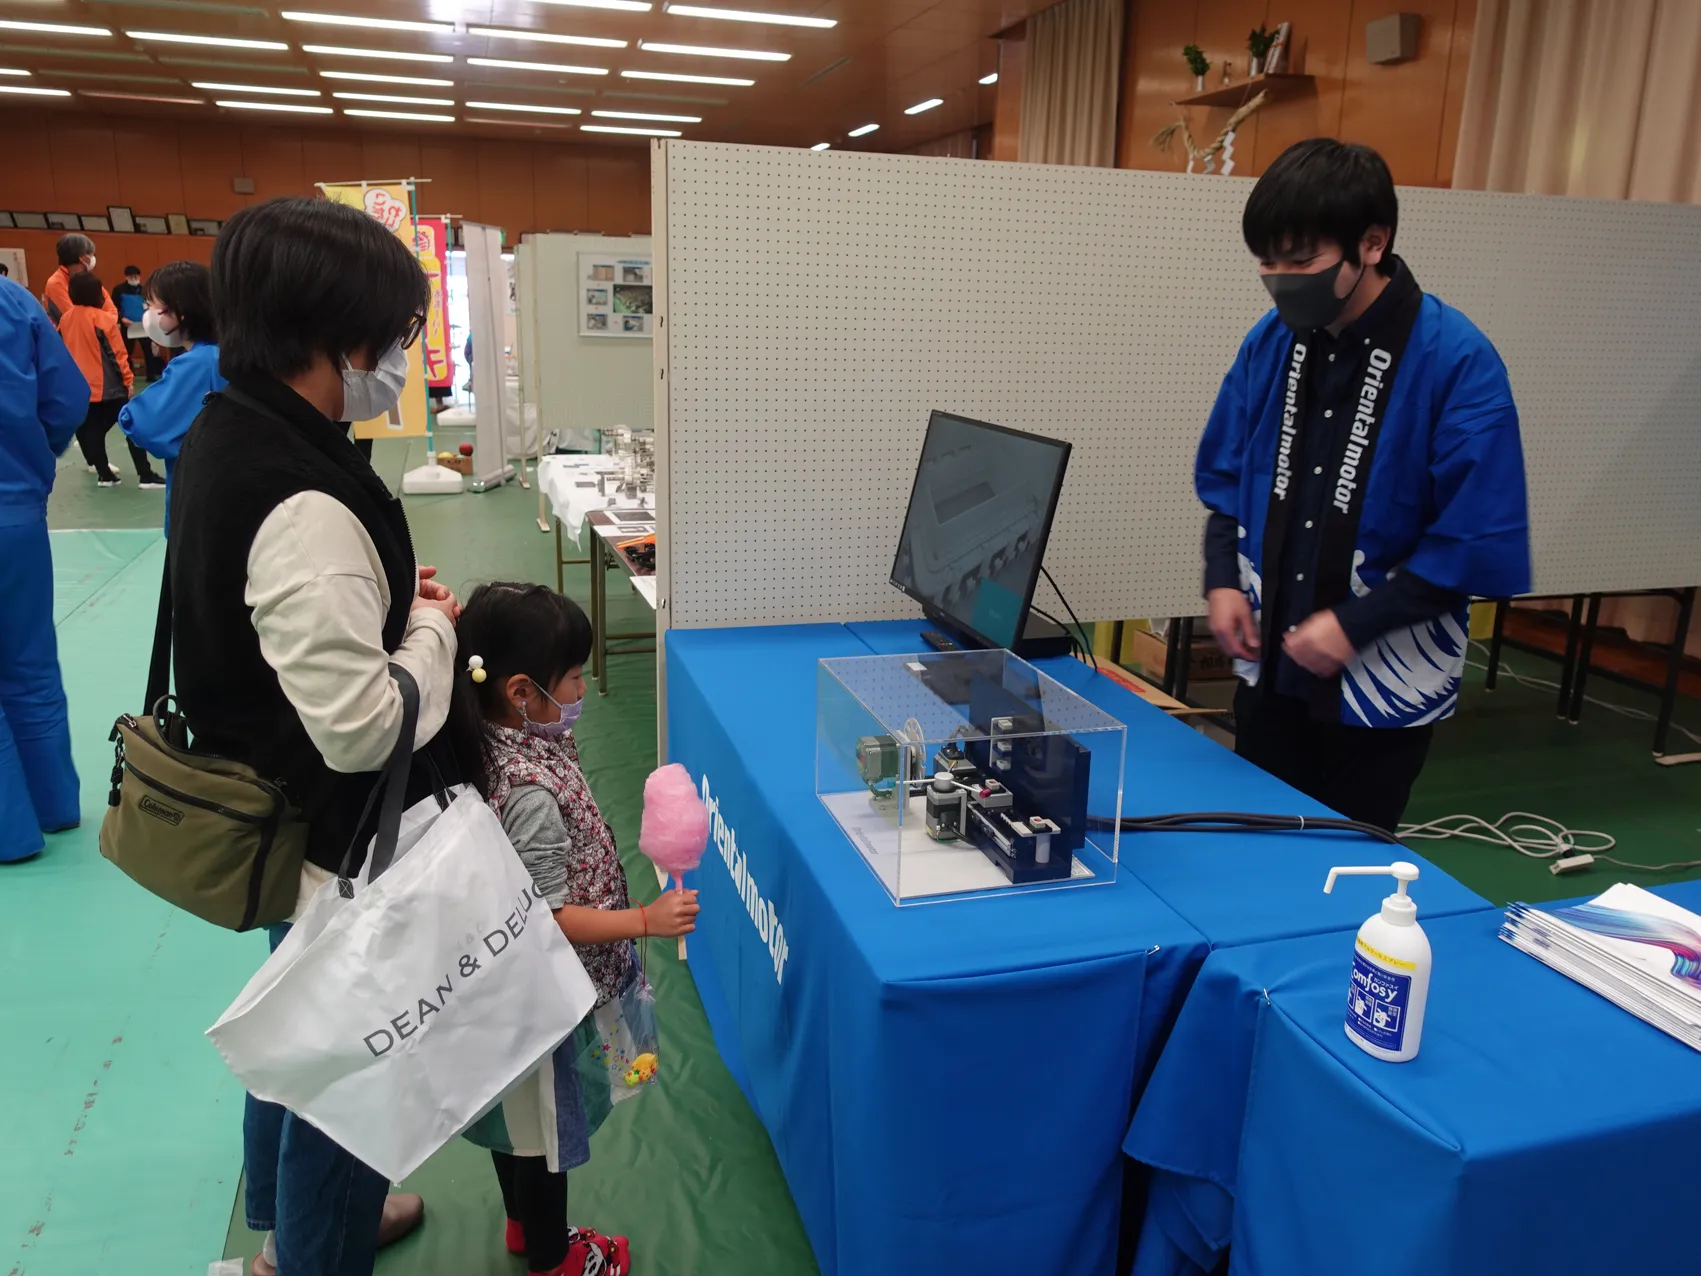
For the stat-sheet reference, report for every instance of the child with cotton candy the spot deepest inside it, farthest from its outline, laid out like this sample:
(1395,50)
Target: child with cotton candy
(516,698)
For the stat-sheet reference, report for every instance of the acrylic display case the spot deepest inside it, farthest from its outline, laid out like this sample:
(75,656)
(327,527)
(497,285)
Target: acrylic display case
(961,774)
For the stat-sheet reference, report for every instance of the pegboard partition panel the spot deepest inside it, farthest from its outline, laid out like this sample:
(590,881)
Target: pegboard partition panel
(817,306)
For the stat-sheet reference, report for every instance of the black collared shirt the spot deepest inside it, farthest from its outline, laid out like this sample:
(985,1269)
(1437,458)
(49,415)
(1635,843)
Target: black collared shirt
(1290,587)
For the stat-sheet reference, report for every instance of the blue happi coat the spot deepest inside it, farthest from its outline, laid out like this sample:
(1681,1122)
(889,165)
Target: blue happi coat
(1445,498)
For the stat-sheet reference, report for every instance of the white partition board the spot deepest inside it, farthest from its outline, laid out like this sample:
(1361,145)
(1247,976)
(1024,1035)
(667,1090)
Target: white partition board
(584,383)
(817,306)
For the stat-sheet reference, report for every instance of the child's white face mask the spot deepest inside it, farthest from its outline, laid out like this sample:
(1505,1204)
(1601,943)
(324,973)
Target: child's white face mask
(369,395)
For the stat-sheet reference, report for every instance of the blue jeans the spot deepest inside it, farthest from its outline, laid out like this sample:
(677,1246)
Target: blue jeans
(323,1204)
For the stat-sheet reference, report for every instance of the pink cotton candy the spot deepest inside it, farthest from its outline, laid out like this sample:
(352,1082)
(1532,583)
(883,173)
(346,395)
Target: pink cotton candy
(676,823)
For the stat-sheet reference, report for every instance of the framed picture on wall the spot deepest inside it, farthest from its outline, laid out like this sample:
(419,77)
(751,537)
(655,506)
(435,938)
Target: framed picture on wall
(123,220)
(153,226)
(5,221)
(203,227)
(64,221)
(96,223)
(30,221)
(178,223)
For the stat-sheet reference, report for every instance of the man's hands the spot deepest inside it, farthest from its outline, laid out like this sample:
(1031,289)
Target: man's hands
(1231,623)
(1319,645)
(436,597)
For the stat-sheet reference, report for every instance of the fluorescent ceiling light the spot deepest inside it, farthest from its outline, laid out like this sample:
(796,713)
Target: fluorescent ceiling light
(486,119)
(256,88)
(143,97)
(640,132)
(336,51)
(222,41)
(745,15)
(864,131)
(538,66)
(822,146)
(547,37)
(989,79)
(625,6)
(705,51)
(400,115)
(641,115)
(51,28)
(377,24)
(928,105)
(35,92)
(368,77)
(685,79)
(403,101)
(7,70)
(533,110)
(295,107)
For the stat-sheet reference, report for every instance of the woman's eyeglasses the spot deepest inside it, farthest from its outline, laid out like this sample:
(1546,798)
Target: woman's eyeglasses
(415,328)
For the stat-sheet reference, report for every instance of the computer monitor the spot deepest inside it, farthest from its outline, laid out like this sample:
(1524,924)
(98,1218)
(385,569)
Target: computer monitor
(974,537)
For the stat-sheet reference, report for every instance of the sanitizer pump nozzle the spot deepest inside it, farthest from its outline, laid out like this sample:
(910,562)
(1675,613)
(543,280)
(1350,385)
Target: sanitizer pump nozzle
(1390,977)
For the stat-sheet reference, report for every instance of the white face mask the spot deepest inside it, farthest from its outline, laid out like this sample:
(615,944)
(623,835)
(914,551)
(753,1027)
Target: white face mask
(158,333)
(89,262)
(368,395)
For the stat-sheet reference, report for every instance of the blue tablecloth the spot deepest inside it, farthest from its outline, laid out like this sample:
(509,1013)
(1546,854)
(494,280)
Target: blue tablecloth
(945,1085)
(1541,1129)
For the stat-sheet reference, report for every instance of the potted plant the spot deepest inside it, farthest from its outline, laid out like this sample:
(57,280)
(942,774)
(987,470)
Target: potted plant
(1198,63)
(1258,45)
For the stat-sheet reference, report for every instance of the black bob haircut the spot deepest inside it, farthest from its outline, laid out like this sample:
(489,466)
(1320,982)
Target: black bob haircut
(514,629)
(73,248)
(86,290)
(186,289)
(296,278)
(1321,189)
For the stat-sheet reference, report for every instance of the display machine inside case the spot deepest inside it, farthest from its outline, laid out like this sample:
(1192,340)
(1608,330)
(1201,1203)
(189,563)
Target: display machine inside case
(962,773)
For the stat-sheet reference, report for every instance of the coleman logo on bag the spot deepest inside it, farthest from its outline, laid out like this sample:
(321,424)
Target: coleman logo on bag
(491,944)
(160,811)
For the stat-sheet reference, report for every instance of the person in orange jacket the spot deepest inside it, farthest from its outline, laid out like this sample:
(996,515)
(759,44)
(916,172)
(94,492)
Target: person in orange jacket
(76,256)
(90,332)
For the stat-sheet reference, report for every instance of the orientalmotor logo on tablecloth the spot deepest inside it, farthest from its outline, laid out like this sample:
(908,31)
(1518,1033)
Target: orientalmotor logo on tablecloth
(760,908)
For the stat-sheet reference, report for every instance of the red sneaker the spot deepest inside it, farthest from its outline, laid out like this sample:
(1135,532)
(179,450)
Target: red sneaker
(515,1238)
(592,1254)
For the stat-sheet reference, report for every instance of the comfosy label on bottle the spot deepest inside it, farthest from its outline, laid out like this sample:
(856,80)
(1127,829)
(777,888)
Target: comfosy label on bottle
(1377,1003)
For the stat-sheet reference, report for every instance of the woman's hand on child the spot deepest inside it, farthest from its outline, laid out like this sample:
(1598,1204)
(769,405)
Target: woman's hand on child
(673,914)
(432,592)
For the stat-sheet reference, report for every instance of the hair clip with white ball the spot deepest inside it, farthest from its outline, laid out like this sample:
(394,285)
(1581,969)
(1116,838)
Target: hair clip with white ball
(475,666)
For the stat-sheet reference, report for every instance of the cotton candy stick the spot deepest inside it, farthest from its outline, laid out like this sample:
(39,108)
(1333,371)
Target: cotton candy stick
(675,828)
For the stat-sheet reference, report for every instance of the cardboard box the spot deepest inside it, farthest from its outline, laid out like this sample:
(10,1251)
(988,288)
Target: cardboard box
(456,462)
(1148,653)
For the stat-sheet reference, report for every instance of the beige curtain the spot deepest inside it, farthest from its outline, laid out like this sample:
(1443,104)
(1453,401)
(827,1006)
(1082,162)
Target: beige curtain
(1069,92)
(1596,98)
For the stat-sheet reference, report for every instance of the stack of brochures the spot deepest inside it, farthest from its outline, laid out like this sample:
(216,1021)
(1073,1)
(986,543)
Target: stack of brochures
(1639,951)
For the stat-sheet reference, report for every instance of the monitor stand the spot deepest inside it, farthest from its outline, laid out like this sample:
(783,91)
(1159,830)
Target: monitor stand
(1040,640)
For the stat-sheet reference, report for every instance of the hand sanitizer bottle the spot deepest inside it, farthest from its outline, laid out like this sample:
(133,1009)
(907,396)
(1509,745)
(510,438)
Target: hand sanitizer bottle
(1390,981)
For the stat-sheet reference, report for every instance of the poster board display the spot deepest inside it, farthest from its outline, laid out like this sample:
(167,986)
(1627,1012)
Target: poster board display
(431,246)
(19,272)
(390,205)
(616,296)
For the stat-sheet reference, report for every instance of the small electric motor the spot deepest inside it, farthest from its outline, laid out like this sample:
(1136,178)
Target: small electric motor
(947,808)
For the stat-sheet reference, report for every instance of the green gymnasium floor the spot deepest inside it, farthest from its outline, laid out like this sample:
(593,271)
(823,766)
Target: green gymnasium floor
(120,1126)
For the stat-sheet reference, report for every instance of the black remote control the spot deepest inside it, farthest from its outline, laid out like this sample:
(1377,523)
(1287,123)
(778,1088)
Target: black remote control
(938,641)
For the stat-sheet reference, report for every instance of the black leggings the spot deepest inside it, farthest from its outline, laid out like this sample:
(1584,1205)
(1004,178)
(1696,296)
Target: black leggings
(91,438)
(537,1201)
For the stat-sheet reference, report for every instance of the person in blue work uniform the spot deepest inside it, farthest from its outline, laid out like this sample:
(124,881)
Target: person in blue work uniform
(1364,477)
(179,316)
(43,399)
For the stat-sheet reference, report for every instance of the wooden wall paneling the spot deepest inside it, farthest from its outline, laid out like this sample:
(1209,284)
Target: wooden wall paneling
(1153,76)
(1458,67)
(453,169)
(1007,115)
(1322,36)
(1398,108)
(506,194)
(26,172)
(560,181)
(150,169)
(388,155)
(273,158)
(146,251)
(330,157)
(618,192)
(212,156)
(85,165)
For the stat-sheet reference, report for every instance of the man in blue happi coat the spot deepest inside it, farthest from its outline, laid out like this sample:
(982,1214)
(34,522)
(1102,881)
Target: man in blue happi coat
(1364,478)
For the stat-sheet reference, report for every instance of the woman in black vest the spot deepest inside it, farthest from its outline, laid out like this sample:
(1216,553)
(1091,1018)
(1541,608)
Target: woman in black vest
(295,588)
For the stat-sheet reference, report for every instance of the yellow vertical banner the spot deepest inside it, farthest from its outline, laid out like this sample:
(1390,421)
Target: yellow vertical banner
(388,204)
